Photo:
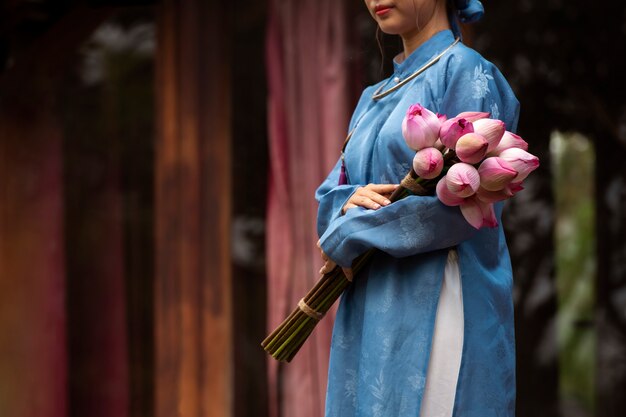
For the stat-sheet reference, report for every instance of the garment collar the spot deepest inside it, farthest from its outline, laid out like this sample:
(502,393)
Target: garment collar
(433,46)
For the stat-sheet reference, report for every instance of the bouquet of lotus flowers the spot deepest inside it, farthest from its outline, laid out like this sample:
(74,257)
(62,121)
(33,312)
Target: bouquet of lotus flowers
(469,160)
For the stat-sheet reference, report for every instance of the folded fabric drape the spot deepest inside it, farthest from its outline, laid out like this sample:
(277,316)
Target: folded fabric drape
(307,120)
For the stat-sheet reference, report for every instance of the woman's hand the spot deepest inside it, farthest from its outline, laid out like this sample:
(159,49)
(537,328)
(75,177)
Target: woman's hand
(329,264)
(372,196)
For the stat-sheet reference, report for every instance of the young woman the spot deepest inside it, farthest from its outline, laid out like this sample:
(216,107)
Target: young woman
(426,329)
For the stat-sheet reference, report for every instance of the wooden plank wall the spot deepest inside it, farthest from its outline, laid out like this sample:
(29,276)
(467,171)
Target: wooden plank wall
(33,357)
(193,312)
(33,319)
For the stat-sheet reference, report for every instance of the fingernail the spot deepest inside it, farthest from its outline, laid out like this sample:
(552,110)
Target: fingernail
(376,206)
(387,202)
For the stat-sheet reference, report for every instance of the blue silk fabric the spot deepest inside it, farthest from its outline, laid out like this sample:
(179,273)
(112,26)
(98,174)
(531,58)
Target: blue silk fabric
(469,11)
(383,329)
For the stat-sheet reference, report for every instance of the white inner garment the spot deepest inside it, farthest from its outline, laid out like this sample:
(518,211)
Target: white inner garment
(447,345)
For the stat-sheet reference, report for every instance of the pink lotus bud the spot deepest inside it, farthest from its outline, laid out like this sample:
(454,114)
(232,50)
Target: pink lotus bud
(453,129)
(515,187)
(487,196)
(428,163)
(445,196)
(509,140)
(420,127)
(472,116)
(479,214)
(462,180)
(495,173)
(493,196)
(471,148)
(521,161)
(491,129)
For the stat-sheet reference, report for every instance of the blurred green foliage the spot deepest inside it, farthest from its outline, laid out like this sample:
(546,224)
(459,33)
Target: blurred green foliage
(573,159)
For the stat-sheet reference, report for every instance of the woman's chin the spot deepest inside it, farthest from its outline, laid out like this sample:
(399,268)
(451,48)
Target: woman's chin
(391,29)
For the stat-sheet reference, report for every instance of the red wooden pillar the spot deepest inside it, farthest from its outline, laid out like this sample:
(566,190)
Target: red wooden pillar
(193,312)
(34,354)
(32,258)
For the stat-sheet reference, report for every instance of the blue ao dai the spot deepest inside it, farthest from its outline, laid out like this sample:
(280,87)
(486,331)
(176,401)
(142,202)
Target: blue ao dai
(384,327)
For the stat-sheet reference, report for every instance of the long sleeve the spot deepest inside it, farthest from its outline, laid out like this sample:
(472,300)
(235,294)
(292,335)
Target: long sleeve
(420,224)
(331,198)
(413,225)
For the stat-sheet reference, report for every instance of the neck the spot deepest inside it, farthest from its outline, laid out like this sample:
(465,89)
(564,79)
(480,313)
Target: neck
(415,38)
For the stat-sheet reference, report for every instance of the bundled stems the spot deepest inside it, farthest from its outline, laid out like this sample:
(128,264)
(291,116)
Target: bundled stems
(287,339)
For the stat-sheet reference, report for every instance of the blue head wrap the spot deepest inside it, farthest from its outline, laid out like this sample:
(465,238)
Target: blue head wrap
(467,11)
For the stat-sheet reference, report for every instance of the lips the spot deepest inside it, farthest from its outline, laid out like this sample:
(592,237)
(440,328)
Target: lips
(381,9)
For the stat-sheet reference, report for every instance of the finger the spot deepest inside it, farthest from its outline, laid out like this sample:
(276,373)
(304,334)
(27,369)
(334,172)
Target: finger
(380,199)
(366,201)
(327,267)
(382,188)
(348,206)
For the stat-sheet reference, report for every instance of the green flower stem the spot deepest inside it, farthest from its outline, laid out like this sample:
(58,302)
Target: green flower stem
(268,340)
(328,289)
(333,276)
(296,346)
(295,322)
(285,344)
(337,278)
(333,296)
(321,283)
(272,340)
(300,337)
(283,341)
